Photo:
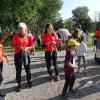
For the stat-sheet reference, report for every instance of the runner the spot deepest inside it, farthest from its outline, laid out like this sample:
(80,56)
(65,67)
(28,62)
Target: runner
(97,44)
(80,51)
(49,42)
(69,67)
(38,39)
(22,44)
(81,33)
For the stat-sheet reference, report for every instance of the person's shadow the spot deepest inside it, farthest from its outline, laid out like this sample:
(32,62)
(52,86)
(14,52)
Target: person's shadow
(35,82)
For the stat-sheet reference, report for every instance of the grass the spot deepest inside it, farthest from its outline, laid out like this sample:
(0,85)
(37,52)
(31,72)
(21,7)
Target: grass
(89,42)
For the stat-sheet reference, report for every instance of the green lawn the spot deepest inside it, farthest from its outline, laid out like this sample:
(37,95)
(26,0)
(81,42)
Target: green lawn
(89,42)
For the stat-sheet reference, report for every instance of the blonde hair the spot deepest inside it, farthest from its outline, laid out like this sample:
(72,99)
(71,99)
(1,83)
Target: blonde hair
(23,25)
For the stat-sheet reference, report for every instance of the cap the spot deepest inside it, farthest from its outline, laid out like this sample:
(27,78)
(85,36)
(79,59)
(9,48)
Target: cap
(72,42)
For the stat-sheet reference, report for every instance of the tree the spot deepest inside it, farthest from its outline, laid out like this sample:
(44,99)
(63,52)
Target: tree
(35,13)
(58,24)
(69,24)
(93,26)
(80,16)
(97,19)
(49,12)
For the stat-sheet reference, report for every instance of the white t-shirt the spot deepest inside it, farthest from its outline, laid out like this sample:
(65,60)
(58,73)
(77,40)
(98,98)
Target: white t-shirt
(81,49)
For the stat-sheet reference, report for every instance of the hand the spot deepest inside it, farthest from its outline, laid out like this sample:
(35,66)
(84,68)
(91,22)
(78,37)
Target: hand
(7,59)
(47,43)
(75,66)
(53,42)
(33,53)
(27,49)
(22,48)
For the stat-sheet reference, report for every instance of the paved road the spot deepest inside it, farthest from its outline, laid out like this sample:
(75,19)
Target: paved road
(87,86)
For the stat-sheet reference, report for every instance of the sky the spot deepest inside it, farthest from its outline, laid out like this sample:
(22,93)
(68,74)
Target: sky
(69,5)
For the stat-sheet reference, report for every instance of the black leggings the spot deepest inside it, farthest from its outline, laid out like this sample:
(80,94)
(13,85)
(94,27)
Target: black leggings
(51,56)
(69,82)
(18,66)
(1,68)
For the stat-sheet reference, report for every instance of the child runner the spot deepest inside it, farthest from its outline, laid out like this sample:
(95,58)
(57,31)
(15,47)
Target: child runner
(69,67)
(81,50)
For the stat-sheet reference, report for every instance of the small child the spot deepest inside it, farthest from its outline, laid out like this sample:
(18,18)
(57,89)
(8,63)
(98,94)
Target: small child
(80,51)
(69,67)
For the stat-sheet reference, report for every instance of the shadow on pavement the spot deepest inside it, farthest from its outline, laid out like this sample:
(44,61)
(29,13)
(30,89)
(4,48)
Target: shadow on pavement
(35,82)
(36,75)
(83,92)
(38,78)
(80,93)
(43,65)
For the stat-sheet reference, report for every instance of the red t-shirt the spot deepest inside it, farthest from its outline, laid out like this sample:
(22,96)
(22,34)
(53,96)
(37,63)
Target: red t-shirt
(98,33)
(48,37)
(68,58)
(24,41)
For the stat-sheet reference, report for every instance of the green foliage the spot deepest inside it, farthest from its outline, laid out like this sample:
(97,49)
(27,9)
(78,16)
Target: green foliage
(97,19)
(48,12)
(80,12)
(35,13)
(69,24)
(97,25)
(92,26)
(58,24)
(89,42)
(80,16)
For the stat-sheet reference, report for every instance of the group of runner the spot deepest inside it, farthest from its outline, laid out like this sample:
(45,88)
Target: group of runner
(24,46)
